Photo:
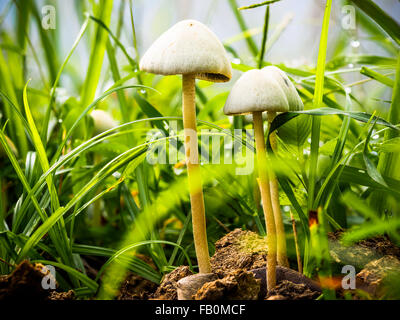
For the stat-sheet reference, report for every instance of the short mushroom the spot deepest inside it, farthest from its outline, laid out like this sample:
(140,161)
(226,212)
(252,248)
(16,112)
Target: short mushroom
(294,103)
(191,49)
(254,93)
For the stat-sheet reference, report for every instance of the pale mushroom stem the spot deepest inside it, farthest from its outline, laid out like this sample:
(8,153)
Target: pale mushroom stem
(280,229)
(194,176)
(265,199)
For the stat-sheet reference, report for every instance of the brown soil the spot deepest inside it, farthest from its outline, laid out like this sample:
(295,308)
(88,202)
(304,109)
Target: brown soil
(168,287)
(236,285)
(362,252)
(287,290)
(371,279)
(239,249)
(237,253)
(25,282)
(69,295)
(136,288)
(376,258)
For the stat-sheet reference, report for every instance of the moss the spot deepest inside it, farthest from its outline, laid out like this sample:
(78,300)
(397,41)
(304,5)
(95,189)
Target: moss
(250,242)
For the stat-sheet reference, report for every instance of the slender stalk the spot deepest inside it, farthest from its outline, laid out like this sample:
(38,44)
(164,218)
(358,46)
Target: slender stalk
(317,103)
(296,243)
(266,199)
(264,39)
(280,229)
(194,177)
(242,24)
(98,49)
(16,128)
(316,121)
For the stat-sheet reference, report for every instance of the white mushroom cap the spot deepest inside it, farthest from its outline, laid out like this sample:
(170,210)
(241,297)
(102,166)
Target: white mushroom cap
(292,96)
(102,121)
(189,47)
(254,92)
(268,89)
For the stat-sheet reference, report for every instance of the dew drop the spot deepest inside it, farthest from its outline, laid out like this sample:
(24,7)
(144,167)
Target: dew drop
(355,43)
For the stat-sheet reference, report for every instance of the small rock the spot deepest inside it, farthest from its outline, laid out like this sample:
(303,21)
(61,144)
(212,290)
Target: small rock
(188,286)
(277,297)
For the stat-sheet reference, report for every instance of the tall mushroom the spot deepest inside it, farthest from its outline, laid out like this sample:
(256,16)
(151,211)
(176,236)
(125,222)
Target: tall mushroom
(294,103)
(191,49)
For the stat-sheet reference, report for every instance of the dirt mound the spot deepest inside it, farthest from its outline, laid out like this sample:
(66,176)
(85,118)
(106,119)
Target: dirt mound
(362,252)
(136,288)
(372,278)
(25,282)
(168,287)
(287,290)
(238,253)
(236,285)
(239,249)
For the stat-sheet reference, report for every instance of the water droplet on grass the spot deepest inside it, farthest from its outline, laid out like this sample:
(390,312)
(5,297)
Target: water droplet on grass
(355,43)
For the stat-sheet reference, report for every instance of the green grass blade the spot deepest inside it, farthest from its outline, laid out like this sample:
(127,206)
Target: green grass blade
(46,119)
(264,39)
(47,39)
(316,121)
(103,13)
(265,3)
(136,245)
(371,169)
(377,76)
(92,285)
(37,142)
(16,132)
(385,21)
(389,162)
(242,24)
